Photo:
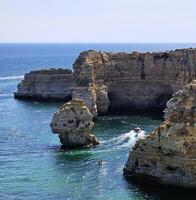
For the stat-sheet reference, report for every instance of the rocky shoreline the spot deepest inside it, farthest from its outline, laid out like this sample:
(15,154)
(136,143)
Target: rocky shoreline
(167,155)
(46,85)
(103,82)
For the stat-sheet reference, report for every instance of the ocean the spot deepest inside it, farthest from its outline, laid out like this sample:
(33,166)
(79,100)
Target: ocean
(32,165)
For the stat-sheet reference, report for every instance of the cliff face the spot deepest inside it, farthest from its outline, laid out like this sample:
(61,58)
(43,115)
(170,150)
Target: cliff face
(115,80)
(137,80)
(88,94)
(52,84)
(95,96)
(73,123)
(168,154)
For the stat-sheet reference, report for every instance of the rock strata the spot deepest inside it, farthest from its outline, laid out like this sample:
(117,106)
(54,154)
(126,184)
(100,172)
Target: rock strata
(115,81)
(95,96)
(102,100)
(168,154)
(88,94)
(52,84)
(73,123)
(137,80)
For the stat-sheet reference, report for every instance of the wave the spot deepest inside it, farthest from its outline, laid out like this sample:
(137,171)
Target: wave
(6,95)
(125,140)
(11,78)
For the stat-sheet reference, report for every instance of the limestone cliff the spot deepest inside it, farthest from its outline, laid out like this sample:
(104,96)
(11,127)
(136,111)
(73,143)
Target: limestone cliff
(115,80)
(102,100)
(73,123)
(52,84)
(168,154)
(137,80)
(88,94)
(95,96)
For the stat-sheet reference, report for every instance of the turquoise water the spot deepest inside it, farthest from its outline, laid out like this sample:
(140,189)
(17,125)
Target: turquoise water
(32,165)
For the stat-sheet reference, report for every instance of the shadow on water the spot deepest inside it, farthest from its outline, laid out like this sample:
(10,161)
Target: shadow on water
(153,114)
(154,192)
(37,103)
(78,155)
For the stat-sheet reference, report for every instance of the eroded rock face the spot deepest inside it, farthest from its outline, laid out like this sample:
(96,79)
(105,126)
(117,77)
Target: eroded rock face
(88,95)
(52,84)
(73,123)
(118,81)
(168,154)
(137,80)
(95,96)
(102,99)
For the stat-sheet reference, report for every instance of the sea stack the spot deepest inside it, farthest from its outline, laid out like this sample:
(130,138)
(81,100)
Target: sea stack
(168,154)
(73,122)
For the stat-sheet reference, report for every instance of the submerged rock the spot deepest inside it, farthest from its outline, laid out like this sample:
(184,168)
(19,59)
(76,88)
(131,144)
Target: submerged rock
(168,154)
(73,122)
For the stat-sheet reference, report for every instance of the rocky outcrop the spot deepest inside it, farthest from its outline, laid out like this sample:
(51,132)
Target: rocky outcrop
(168,154)
(95,96)
(88,94)
(115,81)
(137,80)
(102,100)
(73,123)
(52,84)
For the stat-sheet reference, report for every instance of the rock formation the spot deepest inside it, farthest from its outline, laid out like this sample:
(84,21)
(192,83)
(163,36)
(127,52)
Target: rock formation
(102,100)
(73,123)
(88,94)
(52,84)
(115,80)
(168,154)
(137,80)
(95,96)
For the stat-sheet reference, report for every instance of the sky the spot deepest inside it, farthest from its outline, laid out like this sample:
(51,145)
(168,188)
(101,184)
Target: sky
(97,21)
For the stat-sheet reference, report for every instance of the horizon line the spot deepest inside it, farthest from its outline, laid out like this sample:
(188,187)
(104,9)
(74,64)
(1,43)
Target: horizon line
(97,42)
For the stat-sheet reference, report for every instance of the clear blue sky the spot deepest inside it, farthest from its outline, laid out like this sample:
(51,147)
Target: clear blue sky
(97,20)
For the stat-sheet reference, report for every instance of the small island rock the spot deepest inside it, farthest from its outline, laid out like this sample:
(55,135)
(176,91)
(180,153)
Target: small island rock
(73,122)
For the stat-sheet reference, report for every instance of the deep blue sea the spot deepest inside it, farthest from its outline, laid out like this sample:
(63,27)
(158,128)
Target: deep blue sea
(32,165)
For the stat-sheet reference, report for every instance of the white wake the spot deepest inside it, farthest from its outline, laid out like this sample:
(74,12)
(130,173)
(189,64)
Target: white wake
(126,140)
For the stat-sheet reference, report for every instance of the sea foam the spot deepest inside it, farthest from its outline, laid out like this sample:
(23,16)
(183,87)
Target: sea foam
(126,140)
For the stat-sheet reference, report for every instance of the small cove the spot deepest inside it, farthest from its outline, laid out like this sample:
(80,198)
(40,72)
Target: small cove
(32,165)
